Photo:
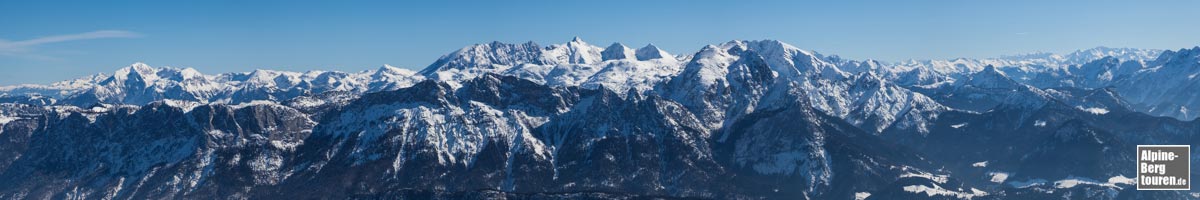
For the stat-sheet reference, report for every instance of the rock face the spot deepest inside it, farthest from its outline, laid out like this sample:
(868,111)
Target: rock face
(737,120)
(153,151)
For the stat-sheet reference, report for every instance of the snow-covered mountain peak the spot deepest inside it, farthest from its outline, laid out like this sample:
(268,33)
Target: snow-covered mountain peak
(781,59)
(263,75)
(186,74)
(577,42)
(575,52)
(778,53)
(390,71)
(710,51)
(1076,57)
(575,63)
(386,68)
(1034,55)
(766,47)
(388,77)
(1085,55)
(261,78)
(139,67)
(1181,55)
(990,77)
(652,52)
(617,51)
(491,56)
(991,69)
(138,71)
(856,66)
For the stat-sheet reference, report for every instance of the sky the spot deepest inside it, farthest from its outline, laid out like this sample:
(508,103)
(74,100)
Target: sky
(47,41)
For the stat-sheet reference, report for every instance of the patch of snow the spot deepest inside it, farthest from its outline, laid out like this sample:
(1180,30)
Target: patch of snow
(254,103)
(930,176)
(99,109)
(1039,123)
(112,193)
(998,177)
(1094,111)
(308,102)
(1069,183)
(7,119)
(939,191)
(1076,181)
(285,145)
(264,168)
(980,164)
(1122,180)
(187,106)
(216,133)
(861,195)
(1106,76)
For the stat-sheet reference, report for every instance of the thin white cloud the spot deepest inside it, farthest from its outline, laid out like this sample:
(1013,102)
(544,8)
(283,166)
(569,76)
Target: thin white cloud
(22,48)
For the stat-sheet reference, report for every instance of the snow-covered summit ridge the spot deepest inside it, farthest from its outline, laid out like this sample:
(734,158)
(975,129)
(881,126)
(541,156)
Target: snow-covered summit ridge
(499,55)
(575,63)
(140,83)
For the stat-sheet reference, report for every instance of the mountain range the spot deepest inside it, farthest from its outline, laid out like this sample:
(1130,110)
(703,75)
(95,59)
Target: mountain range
(736,120)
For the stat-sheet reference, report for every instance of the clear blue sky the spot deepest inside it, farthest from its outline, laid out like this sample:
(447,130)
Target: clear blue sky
(46,41)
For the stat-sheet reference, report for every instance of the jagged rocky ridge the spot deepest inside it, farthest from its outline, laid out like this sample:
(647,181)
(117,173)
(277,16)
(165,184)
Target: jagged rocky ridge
(742,119)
